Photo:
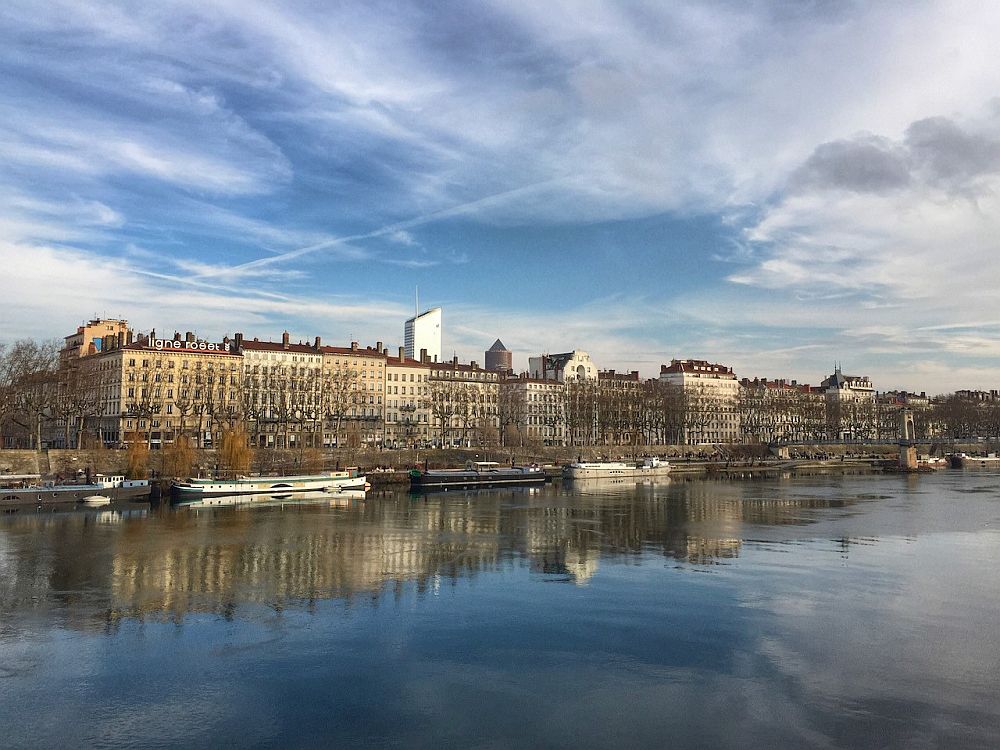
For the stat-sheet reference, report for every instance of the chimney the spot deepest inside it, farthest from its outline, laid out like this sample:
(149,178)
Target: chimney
(284,340)
(318,344)
(378,345)
(402,354)
(354,346)
(177,336)
(423,356)
(238,340)
(474,365)
(152,334)
(385,353)
(188,336)
(454,361)
(128,337)
(121,340)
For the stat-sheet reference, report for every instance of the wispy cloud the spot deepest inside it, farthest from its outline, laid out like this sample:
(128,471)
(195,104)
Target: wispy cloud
(275,152)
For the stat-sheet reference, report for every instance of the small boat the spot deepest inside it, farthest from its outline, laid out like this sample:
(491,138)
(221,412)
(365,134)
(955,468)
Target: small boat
(476,474)
(650,468)
(95,501)
(194,490)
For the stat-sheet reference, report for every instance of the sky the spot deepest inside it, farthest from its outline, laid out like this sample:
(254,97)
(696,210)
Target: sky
(775,186)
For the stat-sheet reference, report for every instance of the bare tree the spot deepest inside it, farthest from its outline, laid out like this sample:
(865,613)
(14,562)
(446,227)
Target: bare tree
(443,396)
(580,410)
(79,397)
(510,408)
(29,385)
(339,396)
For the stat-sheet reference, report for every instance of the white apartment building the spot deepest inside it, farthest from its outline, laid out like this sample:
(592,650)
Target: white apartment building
(850,406)
(569,366)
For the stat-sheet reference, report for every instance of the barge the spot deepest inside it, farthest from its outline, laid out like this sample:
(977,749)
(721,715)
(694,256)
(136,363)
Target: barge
(650,468)
(476,474)
(197,489)
(25,491)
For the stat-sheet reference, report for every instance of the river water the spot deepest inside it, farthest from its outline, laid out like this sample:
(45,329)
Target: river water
(827,611)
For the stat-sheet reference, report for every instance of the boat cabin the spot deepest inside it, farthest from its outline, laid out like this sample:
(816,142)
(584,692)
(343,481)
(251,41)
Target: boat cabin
(481,466)
(19,481)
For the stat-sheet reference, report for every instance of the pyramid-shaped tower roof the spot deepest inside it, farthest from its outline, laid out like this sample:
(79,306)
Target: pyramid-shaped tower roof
(498,346)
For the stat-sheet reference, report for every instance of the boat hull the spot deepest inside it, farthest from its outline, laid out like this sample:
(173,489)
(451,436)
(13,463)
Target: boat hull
(962,461)
(71,494)
(467,480)
(616,473)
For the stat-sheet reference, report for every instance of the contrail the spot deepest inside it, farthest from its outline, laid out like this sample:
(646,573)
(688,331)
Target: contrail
(388,229)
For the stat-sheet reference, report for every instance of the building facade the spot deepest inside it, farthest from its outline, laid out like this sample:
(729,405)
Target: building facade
(850,406)
(574,365)
(710,394)
(407,402)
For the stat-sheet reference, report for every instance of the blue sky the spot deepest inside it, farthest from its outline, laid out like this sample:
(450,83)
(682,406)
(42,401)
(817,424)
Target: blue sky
(772,185)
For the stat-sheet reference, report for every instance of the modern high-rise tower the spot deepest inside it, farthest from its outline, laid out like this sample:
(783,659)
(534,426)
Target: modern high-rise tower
(423,331)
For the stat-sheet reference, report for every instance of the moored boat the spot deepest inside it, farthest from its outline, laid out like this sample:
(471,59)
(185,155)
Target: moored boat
(195,489)
(476,474)
(115,487)
(650,468)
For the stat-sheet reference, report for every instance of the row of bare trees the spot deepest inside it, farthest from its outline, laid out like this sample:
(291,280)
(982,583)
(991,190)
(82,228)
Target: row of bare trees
(463,412)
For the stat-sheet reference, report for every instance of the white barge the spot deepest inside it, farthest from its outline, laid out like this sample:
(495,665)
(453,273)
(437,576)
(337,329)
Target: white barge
(194,490)
(650,468)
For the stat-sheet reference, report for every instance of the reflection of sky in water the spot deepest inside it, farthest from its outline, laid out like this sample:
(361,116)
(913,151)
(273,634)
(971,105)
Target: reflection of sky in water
(824,612)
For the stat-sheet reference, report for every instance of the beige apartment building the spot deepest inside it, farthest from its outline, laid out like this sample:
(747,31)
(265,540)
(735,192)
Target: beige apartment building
(155,390)
(710,400)
(407,402)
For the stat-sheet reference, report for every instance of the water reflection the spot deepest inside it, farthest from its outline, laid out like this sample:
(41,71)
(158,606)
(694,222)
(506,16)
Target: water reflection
(95,569)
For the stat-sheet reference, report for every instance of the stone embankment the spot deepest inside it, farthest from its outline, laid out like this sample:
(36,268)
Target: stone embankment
(386,467)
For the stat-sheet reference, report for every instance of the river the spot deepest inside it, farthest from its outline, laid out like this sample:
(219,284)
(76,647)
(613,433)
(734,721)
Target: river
(823,611)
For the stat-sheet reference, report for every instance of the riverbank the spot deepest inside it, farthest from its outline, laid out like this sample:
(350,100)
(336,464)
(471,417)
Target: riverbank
(390,467)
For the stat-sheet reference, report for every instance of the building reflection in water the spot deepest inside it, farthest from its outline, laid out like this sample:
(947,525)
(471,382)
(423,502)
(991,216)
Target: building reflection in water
(96,569)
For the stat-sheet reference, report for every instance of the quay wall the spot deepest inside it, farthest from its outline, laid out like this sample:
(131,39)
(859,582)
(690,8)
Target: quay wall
(68,463)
